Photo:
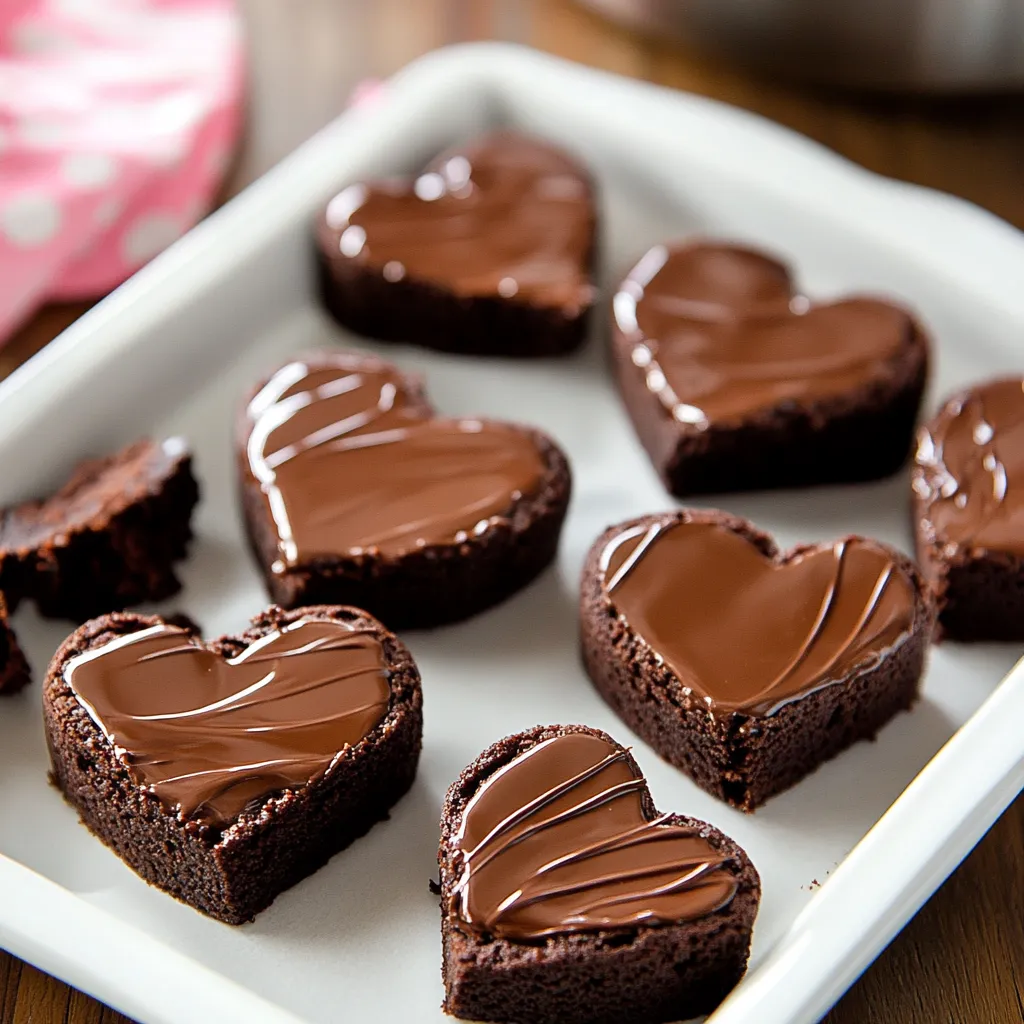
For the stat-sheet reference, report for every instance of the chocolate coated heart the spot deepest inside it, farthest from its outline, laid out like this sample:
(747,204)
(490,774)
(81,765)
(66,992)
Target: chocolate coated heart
(563,839)
(746,630)
(211,729)
(719,334)
(505,216)
(352,461)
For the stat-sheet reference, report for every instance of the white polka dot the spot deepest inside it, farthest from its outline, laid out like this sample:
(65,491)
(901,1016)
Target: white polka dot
(149,235)
(75,8)
(108,211)
(30,219)
(166,151)
(40,131)
(88,170)
(37,37)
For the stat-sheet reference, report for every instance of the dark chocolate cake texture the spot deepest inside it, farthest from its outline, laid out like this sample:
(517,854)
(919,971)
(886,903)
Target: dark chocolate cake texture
(488,251)
(225,772)
(107,539)
(967,487)
(742,665)
(356,492)
(14,670)
(734,382)
(566,896)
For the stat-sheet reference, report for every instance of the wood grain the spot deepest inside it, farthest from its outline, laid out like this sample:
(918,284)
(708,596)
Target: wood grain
(961,961)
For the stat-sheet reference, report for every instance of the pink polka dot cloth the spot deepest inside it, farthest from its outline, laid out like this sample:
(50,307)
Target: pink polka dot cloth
(117,123)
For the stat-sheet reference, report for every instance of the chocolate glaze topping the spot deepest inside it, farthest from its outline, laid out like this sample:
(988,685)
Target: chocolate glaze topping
(506,216)
(350,462)
(969,470)
(558,841)
(746,633)
(211,735)
(719,334)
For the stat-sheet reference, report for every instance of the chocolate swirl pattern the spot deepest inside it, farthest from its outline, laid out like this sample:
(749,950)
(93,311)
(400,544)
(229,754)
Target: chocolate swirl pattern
(969,470)
(210,735)
(504,216)
(747,633)
(559,841)
(718,333)
(350,461)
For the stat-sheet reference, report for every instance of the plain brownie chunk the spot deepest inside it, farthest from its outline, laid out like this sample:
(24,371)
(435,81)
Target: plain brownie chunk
(225,772)
(107,539)
(566,898)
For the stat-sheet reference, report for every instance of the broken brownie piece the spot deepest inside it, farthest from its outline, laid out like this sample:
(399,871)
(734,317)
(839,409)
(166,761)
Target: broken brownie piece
(107,539)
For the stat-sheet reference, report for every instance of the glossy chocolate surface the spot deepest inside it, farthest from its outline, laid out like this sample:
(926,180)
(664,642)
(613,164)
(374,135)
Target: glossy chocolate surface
(718,335)
(504,216)
(351,463)
(745,633)
(558,841)
(211,736)
(969,470)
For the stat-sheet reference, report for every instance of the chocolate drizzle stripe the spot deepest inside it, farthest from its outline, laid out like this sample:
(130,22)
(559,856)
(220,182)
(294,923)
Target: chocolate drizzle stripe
(522,813)
(638,552)
(584,806)
(691,874)
(523,878)
(815,632)
(603,846)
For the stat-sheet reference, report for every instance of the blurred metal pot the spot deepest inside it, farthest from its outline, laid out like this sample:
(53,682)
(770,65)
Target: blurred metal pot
(937,45)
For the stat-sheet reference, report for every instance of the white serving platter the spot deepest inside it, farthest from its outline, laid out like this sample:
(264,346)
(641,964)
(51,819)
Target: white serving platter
(174,349)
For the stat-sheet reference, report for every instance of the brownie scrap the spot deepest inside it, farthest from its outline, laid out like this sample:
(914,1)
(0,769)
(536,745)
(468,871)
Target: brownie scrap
(105,540)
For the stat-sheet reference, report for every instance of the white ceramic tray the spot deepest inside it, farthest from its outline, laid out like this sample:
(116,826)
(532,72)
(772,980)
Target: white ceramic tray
(176,347)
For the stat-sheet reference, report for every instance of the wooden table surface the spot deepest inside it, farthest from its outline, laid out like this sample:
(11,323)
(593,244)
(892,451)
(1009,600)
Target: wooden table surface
(961,961)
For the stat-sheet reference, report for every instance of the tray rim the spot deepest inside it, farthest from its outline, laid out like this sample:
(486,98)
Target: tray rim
(810,966)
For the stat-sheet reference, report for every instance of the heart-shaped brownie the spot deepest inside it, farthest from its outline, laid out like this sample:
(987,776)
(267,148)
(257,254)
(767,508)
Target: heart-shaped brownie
(355,492)
(734,382)
(967,483)
(489,251)
(744,666)
(225,772)
(557,874)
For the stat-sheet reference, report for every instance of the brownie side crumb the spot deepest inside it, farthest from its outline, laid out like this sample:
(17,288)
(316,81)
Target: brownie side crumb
(107,539)
(741,759)
(645,974)
(233,873)
(362,300)
(979,593)
(863,435)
